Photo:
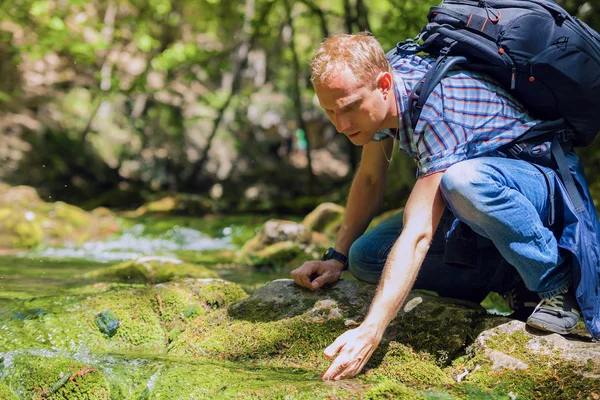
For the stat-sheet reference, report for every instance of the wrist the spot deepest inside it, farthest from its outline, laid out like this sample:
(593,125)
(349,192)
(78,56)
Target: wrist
(332,254)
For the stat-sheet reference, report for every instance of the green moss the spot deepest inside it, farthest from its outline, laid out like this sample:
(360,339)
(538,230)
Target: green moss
(39,377)
(18,231)
(402,364)
(234,381)
(389,389)
(547,376)
(276,254)
(219,293)
(145,316)
(207,257)
(152,271)
(6,393)
(297,341)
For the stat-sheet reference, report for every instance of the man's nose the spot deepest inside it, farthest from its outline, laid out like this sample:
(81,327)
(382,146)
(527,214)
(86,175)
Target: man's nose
(342,123)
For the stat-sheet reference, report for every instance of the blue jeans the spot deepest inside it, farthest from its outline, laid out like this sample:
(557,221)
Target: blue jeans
(507,204)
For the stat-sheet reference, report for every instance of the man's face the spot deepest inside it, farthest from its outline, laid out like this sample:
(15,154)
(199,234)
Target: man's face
(356,109)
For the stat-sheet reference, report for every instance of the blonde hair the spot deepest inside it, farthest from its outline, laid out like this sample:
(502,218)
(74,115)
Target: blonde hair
(361,53)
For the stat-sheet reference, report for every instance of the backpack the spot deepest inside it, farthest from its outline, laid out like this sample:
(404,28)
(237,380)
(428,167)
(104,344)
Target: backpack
(546,58)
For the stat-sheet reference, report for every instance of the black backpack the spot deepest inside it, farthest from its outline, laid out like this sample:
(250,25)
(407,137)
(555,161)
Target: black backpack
(548,59)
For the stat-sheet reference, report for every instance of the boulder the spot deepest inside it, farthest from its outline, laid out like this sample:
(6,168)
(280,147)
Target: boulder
(326,218)
(282,243)
(513,345)
(430,323)
(176,204)
(26,221)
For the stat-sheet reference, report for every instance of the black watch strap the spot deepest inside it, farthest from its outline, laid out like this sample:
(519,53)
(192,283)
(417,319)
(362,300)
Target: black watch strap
(331,254)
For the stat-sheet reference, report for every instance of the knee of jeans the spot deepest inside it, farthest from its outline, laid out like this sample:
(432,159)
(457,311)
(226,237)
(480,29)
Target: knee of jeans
(359,265)
(461,187)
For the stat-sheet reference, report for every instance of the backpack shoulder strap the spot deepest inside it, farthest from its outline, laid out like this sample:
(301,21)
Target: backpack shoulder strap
(432,78)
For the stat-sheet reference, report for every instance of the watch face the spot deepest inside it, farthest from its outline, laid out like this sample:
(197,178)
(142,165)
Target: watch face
(328,253)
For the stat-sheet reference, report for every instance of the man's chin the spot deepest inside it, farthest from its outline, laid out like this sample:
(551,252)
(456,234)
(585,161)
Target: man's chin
(360,139)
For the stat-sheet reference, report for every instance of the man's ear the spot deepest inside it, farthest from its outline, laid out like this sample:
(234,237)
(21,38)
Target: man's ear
(384,82)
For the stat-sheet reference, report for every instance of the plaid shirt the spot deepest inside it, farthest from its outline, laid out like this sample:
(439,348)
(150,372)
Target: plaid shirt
(468,115)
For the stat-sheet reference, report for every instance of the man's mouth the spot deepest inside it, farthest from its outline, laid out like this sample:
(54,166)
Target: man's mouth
(353,134)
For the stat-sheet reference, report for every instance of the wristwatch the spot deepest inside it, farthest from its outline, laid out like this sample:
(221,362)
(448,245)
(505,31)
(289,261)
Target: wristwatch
(331,254)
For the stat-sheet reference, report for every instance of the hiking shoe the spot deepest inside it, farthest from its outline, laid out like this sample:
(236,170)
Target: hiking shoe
(558,314)
(522,301)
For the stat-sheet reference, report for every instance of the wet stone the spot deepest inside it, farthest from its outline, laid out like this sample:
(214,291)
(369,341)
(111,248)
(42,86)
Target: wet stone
(107,323)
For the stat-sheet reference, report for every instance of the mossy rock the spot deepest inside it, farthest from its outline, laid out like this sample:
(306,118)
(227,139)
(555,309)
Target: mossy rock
(402,364)
(529,364)
(26,221)
(282,243)
(277,254)
(176,204)
(152,270)
(19,196)
(43,377)
(145,316)
(437,325)
(19,229)
(326,218)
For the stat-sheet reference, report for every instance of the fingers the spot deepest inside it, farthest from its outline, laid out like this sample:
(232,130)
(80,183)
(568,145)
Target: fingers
(343,369)
(302,275)
(335,347)
(320,281)
(355,347)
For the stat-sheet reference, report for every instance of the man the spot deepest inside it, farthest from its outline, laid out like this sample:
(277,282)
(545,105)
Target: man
(462,176)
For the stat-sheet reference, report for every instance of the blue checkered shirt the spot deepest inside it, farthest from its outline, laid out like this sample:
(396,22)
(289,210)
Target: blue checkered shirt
(468,115)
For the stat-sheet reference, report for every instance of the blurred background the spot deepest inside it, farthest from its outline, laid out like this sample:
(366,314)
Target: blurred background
(117,102)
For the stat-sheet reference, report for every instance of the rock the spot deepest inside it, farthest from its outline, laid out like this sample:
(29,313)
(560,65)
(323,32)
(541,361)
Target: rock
(146,316)
(326,218)
(151,269)
(23,196)
(26,221)
(280,243)
(19,229)
(275,254)
(525,343)
(107,323)
(218,342)
(438,325)
(177,204)
(502,361)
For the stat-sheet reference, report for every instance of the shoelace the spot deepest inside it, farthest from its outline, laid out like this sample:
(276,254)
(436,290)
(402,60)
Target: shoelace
(554,303)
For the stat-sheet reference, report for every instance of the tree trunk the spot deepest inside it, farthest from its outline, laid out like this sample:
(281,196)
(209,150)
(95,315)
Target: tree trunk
(362,13)
(297,96)
(248,36)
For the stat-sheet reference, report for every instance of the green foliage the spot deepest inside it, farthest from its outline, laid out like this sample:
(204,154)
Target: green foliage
(145,88)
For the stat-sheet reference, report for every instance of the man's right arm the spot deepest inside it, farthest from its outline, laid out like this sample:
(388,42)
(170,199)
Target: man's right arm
(366,194)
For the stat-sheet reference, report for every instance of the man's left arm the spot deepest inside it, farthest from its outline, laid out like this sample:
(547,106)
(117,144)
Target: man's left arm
(422,214)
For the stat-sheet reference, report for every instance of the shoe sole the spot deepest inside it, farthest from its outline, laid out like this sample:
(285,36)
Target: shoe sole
(543,326)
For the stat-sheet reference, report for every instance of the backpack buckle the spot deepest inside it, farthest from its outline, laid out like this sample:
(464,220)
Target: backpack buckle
(564,135)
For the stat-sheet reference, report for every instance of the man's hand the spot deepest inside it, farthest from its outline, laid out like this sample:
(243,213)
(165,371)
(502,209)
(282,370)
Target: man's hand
(326,272)
(355,347)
